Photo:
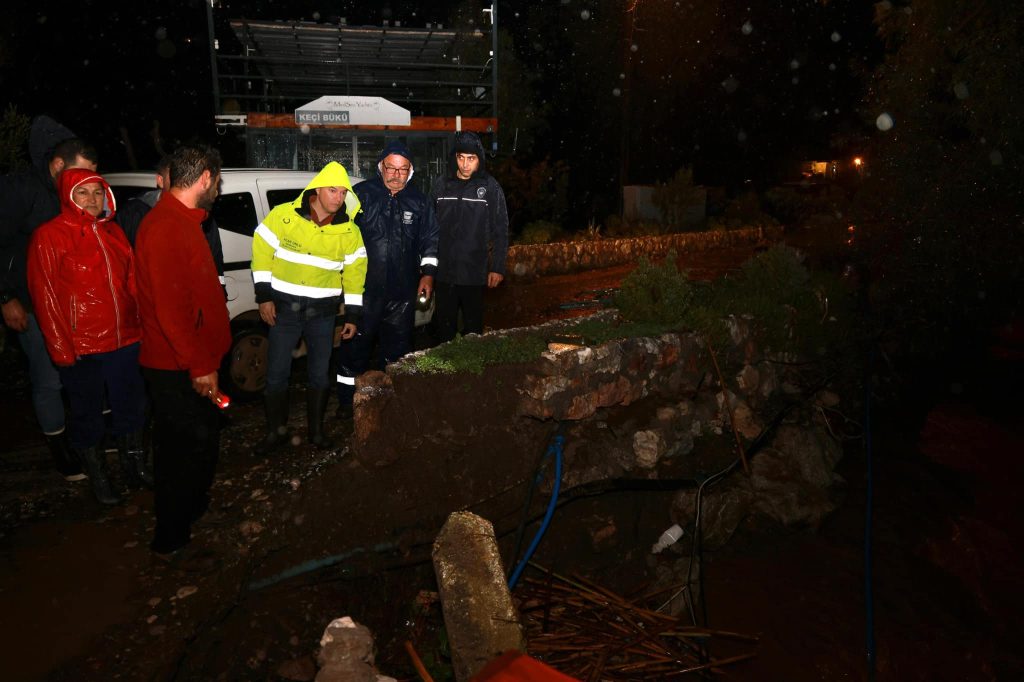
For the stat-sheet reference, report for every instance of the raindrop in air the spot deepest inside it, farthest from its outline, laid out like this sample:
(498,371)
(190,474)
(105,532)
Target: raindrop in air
(304,128)
(585,14)
(747,28)
(616,92)
(794,64)
(961,91)
(161,33)
(995,157)
(634,47)
(316,16)
(884,122)
(836,37)
(730,85)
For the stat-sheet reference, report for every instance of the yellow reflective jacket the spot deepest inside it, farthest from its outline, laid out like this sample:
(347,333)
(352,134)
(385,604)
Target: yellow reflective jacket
(292,255)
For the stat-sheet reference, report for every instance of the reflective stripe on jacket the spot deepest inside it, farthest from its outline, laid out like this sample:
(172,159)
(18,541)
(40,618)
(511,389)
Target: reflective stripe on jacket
(293,255)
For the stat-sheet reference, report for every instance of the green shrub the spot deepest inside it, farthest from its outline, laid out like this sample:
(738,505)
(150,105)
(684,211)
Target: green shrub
(473,354)
(540,232)
(655,293)
(784,302)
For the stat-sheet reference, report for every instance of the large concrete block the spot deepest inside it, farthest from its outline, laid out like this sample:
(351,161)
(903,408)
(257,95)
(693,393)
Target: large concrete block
(481,620)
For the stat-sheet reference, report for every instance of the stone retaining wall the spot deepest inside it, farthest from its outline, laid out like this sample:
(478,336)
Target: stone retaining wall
(534,260)
(583,386)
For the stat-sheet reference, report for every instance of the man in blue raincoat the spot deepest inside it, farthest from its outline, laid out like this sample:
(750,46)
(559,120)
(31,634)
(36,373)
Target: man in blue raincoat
(400,233)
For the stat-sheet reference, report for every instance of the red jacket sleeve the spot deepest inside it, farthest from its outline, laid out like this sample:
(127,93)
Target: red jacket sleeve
(44,262)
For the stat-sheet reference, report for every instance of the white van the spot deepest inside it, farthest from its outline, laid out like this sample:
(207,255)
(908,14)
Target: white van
(246,196)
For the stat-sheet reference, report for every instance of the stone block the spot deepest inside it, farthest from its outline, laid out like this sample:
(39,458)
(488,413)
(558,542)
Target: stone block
(479,616)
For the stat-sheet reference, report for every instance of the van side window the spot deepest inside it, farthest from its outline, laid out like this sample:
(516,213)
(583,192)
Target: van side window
(236,213)
(282,196)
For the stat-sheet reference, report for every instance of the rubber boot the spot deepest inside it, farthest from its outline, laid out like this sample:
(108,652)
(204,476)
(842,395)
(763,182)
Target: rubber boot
(64,461)
(316,405)
(276,406)
(94,460)
(134,464)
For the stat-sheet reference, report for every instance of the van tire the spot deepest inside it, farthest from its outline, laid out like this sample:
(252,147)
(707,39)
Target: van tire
(243,373)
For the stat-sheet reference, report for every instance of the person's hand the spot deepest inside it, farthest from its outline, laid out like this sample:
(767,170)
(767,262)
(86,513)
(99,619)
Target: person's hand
(494,279)
(426,287)
(348,331)
(206,385)
(268,313)
(15,316)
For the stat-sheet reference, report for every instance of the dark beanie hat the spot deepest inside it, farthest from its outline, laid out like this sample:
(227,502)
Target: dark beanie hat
(395,147)
(468,142)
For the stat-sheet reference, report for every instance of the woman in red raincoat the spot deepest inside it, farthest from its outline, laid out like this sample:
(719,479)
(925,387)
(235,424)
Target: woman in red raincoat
(81,276)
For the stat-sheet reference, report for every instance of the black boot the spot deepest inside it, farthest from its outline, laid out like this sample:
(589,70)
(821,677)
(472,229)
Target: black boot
(316,405)
(134,464)
(63,459)
(94,460)
(276,405)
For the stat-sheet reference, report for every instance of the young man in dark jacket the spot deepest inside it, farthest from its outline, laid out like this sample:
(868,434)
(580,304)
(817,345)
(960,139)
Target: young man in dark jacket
(400,234)
(27,200)
(473,240)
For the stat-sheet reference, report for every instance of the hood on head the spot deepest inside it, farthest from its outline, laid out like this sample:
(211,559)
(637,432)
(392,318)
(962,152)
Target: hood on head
(331,175)
(43,136)
(468,142)
(69,179)
(399,148)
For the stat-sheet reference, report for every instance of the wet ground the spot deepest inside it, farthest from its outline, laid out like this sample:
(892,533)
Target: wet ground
(82,598)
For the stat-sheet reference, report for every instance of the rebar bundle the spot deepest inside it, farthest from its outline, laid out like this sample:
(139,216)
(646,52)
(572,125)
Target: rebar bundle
(592,633)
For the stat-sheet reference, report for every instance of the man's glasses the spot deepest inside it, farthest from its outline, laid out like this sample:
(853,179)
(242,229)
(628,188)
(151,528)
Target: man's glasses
(397,171)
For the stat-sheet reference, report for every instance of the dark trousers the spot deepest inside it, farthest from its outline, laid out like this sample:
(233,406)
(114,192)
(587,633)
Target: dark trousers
(391,322)
(451,298)
(186,442)
(113,375)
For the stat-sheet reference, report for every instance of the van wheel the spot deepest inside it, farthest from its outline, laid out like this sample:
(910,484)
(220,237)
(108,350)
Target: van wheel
(244,373)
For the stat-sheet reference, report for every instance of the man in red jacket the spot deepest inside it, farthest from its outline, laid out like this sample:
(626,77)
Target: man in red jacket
(185,333)
(81,279)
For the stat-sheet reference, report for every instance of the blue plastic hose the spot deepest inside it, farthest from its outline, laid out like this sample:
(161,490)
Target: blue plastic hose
(556,449)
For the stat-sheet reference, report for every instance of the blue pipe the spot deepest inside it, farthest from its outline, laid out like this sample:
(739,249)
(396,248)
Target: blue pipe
(315,564)
(556,448)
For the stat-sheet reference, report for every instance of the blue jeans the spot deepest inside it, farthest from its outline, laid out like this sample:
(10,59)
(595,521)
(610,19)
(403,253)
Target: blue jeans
(114,374)
(45,380)
(295,320)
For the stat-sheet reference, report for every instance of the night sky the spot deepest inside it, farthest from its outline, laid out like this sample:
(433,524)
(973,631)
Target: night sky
(730,87)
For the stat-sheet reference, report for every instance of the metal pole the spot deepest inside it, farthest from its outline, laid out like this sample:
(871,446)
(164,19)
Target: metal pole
(213,56)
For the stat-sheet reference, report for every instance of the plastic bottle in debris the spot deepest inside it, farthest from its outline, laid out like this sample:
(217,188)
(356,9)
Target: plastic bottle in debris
(669,537)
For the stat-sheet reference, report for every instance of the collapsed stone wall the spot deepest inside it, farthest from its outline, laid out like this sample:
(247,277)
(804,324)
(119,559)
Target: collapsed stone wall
(789,480)
(535,260)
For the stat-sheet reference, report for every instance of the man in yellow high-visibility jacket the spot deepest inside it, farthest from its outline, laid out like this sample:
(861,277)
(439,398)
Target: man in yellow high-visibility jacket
(305,254)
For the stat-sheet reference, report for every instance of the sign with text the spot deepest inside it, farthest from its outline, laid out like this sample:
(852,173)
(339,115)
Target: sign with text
(352,110)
